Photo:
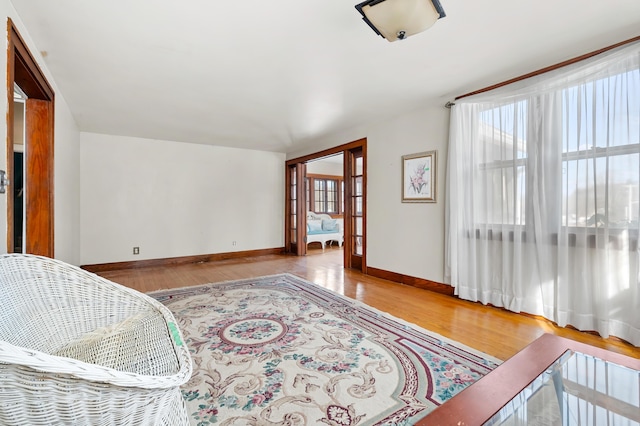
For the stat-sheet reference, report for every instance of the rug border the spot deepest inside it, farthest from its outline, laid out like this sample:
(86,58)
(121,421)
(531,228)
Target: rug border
(431,333)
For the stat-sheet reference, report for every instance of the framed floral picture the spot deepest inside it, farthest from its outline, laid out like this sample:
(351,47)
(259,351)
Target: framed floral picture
(419,177)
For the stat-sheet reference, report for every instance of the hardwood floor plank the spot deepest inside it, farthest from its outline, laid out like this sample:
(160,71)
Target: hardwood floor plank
(495,331)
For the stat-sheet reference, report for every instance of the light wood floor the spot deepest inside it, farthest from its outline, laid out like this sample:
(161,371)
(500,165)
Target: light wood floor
(491,330)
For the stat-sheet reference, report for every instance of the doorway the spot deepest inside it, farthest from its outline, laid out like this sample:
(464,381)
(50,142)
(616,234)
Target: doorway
(324,198)
(25,76)
(352,203)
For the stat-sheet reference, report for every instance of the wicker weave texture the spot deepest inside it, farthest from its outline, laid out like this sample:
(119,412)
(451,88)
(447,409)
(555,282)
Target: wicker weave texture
(78,349)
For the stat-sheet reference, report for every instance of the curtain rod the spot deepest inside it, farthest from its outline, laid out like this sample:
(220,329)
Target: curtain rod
(546,69)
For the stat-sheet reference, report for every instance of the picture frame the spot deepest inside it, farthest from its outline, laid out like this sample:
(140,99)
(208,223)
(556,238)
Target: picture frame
(419,174)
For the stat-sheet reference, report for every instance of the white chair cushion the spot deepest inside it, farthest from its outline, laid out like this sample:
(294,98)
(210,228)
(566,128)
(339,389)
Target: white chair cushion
(134,345)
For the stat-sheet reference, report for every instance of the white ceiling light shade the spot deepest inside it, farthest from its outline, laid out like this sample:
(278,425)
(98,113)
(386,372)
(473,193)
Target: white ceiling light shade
(399,19)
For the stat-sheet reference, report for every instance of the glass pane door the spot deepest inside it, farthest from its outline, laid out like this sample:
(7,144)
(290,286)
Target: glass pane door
(356,208)
(295,210)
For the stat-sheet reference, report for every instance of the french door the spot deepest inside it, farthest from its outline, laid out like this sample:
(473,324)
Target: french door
(354,170)
(295,211)
(355,206)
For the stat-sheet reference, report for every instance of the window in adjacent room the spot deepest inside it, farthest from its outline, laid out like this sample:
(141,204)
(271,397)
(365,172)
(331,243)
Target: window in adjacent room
(325,194)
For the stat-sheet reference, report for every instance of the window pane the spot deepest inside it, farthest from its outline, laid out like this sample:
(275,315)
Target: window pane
(505,201)
(599,115)
(359,165)
(357,205)
(589,201)
(357,185)
(357,245)
(332,196)
(503,133)
(358,228)
(503,154)
(320,195)
(306,187)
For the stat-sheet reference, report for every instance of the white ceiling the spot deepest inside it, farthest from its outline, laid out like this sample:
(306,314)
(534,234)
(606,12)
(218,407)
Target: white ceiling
(271,75)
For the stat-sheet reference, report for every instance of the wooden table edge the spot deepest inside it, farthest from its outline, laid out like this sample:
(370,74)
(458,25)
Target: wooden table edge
(480,401)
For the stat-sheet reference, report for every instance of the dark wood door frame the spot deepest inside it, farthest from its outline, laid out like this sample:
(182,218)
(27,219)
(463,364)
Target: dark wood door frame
(359,145)
(23,70)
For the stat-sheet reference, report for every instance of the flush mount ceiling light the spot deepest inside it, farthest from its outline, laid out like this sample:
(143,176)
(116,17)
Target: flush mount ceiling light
(399,19)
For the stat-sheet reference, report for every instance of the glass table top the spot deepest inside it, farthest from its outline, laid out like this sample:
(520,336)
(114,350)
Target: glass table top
(577,389)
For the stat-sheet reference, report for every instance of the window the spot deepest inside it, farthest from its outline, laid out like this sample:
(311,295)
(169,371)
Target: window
(503,155)
(325,194)
(601,154)
(600,157)
(543,195)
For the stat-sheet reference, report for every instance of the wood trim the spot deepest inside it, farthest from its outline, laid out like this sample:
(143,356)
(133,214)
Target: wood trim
(22,69)
(33,83)
(10,133)
(479,402)
(173,261)
(412,281)
(551,67)
(330,151)
(39,182)
(317,176)
(448,290)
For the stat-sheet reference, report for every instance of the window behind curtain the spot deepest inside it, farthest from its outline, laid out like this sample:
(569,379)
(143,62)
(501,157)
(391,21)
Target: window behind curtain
(600,155)
(503,152)
(543,191)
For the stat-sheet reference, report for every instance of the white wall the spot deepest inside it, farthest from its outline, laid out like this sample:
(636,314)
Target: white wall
(176,199)
(66,184)
(66,166)
(331,167)
(133,192)
(406,238)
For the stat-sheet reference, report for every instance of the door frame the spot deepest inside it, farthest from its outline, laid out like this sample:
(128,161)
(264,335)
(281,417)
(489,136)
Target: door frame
(23,70)
(359,145)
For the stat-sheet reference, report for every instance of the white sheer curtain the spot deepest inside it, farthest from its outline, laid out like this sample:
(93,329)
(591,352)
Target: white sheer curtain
(543,192)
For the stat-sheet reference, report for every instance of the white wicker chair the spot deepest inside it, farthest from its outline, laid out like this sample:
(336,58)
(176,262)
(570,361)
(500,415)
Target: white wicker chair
(50,308)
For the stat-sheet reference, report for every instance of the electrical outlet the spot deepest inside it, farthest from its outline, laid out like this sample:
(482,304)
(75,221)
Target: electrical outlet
(136,250)
(233,243)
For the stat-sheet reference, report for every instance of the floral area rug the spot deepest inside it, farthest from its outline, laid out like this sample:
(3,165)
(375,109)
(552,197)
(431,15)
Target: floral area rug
(280,350)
